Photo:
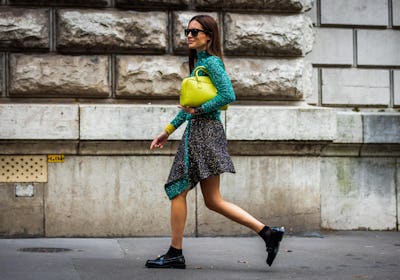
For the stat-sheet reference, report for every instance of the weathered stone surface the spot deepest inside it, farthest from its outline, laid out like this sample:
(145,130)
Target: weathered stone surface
(358,193)
(332,46)
(39,121)
(355,87)
(150,76)
(273,189)
(381,127)
(396,13)
(270,79)
(106,30)
(126,122)
(24,28)
(259,5)
(265,123)
(398,193)
(41,147)
(313,96)
(80,3)
(372,51)
(111,196)
(180,21)
(59,75)
(151,4)
(349,128)
(265,35)
(396,78)
(313,13)
(21,216)
(1,74)
(356,12)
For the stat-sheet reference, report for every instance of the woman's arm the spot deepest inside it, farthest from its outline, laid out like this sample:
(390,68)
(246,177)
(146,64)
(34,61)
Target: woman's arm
(221,81)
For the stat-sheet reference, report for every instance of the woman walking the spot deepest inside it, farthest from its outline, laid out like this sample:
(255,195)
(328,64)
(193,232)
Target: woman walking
(202,154)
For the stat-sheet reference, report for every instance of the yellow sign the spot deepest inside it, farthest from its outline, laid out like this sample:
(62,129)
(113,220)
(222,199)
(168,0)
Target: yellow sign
(55,158)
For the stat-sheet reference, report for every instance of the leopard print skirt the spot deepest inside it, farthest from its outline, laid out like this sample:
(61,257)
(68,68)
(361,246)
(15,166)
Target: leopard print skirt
(202,153)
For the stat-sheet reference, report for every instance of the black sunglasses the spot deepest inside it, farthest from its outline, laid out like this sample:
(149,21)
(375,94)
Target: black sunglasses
(194,32)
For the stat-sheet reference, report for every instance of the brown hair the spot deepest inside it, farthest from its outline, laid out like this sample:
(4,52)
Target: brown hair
(214,45)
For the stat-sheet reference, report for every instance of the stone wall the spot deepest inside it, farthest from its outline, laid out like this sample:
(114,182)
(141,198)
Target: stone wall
(92,83)
(133,49)
(355,55)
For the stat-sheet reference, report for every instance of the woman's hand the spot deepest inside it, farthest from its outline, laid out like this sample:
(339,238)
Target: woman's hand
(159,141)
(189,110)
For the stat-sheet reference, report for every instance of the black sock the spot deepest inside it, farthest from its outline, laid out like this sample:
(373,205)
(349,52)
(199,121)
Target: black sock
(173,252)
(265,233)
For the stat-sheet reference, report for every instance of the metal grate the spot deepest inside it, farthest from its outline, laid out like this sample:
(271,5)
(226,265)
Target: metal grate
(44,250)
(18,169)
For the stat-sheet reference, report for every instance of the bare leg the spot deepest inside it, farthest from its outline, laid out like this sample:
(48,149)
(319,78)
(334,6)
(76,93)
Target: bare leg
(178,219)
(215,202)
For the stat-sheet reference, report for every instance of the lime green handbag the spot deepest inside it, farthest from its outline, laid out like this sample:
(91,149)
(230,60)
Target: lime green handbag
(197,90)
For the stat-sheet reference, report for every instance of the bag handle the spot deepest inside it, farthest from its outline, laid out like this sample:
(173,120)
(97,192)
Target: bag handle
(200,68)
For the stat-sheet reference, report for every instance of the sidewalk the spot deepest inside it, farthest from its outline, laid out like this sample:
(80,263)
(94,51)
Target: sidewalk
(338,255)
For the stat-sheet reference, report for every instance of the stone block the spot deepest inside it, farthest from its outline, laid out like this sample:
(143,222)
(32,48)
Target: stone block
(396,13)
(313,14)
(126,122)
(280,123)
(267,35)
(381,127)
(378,47)
(80,3)
(106,30)
(150,76)
(111,196)
(398,190)
(349,128)
(332,46)
(152,4)
(313,96)
(356,12)
(355,87)
(358,193)
(258,5)
(48,75)
(276,190)
(21,216)
(396,78)
(1,74)
(180,22)
(39,121)
(24,28)
(270,79)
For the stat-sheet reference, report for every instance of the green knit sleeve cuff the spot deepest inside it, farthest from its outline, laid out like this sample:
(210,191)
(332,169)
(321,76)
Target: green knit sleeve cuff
(169,129)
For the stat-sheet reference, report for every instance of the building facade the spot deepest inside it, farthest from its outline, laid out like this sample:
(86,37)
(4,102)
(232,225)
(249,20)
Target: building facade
(86,85)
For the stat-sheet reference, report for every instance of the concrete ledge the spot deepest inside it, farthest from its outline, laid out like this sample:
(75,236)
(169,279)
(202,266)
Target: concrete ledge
(368,128)
(280,123)
(236,148)
(39,121)
(86,129)
(126,122)
(381,128)
(349,127)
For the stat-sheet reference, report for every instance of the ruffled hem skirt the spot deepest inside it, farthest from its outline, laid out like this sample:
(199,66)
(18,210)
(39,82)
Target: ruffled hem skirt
(202,153)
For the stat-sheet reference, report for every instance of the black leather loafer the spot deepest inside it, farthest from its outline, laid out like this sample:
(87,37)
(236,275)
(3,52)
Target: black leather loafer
(167,262)
(273,243)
